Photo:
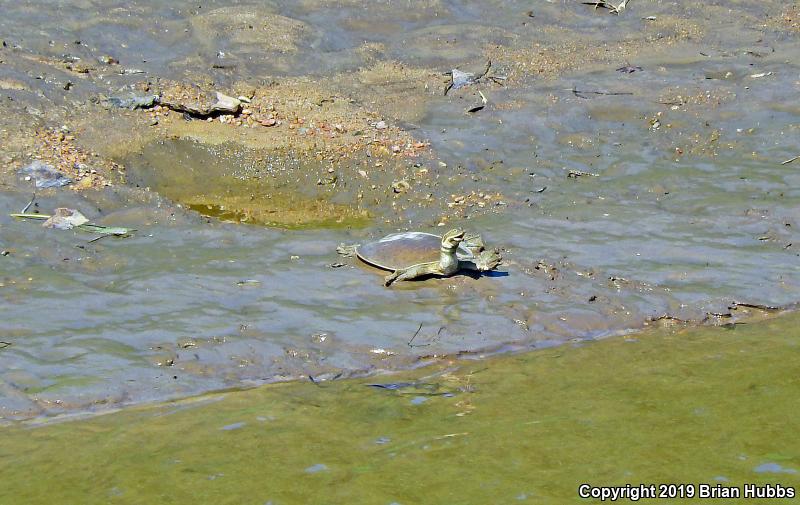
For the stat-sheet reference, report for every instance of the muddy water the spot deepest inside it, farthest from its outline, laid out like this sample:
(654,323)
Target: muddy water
(678,205)
(711,406)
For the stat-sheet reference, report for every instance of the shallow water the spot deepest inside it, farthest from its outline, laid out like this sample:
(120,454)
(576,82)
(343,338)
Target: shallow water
(712,406)
(685,216)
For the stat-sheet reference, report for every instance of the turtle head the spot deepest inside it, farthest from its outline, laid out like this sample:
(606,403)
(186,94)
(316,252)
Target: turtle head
(452,238)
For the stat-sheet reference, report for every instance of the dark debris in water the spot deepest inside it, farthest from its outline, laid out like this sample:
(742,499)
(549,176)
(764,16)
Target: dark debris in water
(629,69)
(393,386)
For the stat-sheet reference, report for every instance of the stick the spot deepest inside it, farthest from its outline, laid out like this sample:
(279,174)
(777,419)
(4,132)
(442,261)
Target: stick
(23,215)
(578,92)
(790,160)
(29,203)
(415,335)
(486,71)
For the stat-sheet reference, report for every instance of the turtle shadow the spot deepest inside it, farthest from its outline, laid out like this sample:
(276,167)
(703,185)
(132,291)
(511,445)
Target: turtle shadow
(473,274)
(491,273)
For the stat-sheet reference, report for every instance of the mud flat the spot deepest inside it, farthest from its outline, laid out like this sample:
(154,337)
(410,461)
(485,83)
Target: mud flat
(630,167)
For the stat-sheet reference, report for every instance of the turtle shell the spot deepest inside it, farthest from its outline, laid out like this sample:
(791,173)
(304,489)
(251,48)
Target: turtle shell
(401,250)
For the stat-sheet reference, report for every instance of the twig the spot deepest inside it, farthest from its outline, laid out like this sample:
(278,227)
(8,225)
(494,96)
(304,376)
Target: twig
(29,204)
(3,345)
(574,174)
(415,335)
(790,160)
(486,71)
(578,92)
(96,239)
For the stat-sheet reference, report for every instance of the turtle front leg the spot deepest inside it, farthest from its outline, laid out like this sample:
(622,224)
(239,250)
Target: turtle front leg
(485,259)
(413,272)
(488,260)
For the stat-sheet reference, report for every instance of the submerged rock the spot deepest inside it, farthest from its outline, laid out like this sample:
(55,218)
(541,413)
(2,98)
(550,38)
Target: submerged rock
(44,175)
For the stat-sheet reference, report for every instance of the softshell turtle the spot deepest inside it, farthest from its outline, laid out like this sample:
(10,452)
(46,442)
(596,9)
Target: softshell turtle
(411,255)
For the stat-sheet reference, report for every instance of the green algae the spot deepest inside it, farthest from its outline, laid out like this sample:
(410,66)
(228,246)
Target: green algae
(233,183)
(702,405)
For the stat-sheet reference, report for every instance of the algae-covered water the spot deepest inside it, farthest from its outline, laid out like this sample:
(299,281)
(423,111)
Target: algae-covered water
(715,406)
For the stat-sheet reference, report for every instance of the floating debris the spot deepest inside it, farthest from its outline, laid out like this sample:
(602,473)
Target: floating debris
(460,79)
(786,162)
(773,468)
(74,216)
(392,386)
(613,9)
(579,93)
(44,175)
(65,219)
(629,69)
(319,467)
(234,426)
(574,174)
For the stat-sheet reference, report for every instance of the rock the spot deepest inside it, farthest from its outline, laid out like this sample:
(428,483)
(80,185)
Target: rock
(401,186)
(198,103)
(108,60)
(134,102)
(44,175)
(226,103)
